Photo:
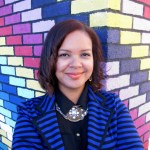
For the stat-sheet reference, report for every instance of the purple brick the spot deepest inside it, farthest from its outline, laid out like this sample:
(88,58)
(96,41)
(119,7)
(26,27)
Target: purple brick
(32,39)
(148,96)
(22,28)
(1,2)
(145,87)
(37,50)
(113,36)
(12,19)
(5,10)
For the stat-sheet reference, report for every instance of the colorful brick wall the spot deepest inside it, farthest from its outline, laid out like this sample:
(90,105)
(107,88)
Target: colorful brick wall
(123,27)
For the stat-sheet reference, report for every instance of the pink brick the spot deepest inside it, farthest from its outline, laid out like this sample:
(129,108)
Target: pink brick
(32,62)
(140,121)
(6,31)
(32,39)
(36,74)
(13,19)
(146,145)
(22,28)
(1,21)
(142,130)
(147,12)
(134,113)
(144,1)
(1,2)
(37,50)
(146,136)
(126,102)
(23,50)
(5,10)
(13,40)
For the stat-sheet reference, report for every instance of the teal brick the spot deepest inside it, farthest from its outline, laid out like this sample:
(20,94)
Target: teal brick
(25,93)
(17,81)
(10,122)
(8,70)
(1,102)
(3,60)
(4,96)
(5,112)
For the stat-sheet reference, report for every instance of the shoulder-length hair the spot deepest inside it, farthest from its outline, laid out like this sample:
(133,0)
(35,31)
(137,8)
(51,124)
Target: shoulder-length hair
(54,40)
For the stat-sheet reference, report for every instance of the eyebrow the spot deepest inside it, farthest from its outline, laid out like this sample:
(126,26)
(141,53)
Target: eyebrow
(69,50)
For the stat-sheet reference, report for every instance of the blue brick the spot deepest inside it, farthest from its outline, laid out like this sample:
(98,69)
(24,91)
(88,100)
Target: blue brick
(4,78)
(38,3)
(58,9)
(16,99)
(0,86)
(4,96)
(14,116)
(10,122)
(10,106)
(10,89)
(3,146)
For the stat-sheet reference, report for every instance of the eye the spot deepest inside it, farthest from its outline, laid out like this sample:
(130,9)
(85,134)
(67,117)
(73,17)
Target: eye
(86,54)
(63,55)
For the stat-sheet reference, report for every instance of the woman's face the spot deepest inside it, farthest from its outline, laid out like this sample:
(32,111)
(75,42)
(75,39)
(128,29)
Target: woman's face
(74,65)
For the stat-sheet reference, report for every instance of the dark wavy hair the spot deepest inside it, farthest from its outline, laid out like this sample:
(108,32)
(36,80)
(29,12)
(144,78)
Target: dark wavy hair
(54,39)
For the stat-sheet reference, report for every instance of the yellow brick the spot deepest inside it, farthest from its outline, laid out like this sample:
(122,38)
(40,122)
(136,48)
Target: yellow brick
(139,51)
(111,20)
(2,41)
(114,4)
(6,141)
(33,84)
(24,72)
(145,63)
(39,94)
(6,51)
(2,132)
(15,61)
(128,37)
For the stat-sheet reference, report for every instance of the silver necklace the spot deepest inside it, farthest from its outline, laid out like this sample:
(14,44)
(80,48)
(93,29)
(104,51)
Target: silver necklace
(75,114)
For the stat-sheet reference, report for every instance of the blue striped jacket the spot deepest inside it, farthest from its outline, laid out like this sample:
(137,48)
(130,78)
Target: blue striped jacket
(110,126)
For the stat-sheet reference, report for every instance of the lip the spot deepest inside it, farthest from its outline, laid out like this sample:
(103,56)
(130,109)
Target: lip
(74,75)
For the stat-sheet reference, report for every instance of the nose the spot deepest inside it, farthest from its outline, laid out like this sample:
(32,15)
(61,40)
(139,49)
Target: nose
(76,62)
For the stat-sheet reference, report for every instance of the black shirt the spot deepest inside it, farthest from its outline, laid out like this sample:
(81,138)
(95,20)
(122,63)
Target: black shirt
(74,134)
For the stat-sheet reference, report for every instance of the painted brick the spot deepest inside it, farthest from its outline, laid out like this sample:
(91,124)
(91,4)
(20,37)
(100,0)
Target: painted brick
(1,102)
(129,6)
(10,1)
(144,1)
(129,92)
(9,89)
(6,141)
(56,10)
(22,28)
(146,145)
(0,86)
(134,113)
(3,60)
(24,72)
(36,74)
(148,96)
(37,94)
(148,117)
(149,76)
(42,26)
(32,84)
(16,99)
(139,77)
(118,82)
(1,2)
(10,138)
(2,132)
(140,51)
(10,122)
(31,62)
(14,116)
(1,21)
(147,12)
(6,50)
(3,146)
(112,68)
(2,118)
(137,101)
(14,40)
(105,19)
(143,129)
(12,19)
(17,81)
(126,102)
(37,50)
(15,61)
(8,70)
(145,63)
(5,112)
(2,41)
(145,87)
(32,39)
(23,50)
(127,65)
(146,136)
(128,37)
(38,3)
(141,24)
(4,79)
(35,14)
(4,96)
(10,106)
(111,38)
(23,5)
(118,51)
(144,109)
(139,122)
(146,38)
(25,93)
(5,31)
(5,10)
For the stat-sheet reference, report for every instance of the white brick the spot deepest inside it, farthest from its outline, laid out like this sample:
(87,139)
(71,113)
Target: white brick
(112,68)
(42,26)
(144,108)
(118,82)
(6,128)
(146,38)
(148,117)
(8,70)
(32,15)
(3,60)
(141,24)
(17,81)
(2,118)
(131,7)
(129,92)
(23,5)
(10,1)
(137,101)
(25,93)
(9,136)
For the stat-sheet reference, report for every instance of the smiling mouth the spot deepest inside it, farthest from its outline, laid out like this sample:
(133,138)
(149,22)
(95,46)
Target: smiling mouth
(74,76)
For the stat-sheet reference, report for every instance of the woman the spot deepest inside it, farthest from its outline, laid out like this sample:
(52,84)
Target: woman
(74,114)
